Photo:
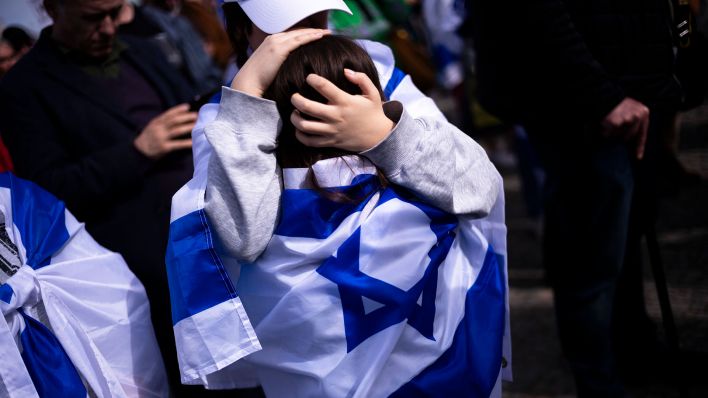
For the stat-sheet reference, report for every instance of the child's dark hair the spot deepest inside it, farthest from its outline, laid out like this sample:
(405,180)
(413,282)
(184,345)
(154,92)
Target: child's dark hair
(238,27)
(326,57)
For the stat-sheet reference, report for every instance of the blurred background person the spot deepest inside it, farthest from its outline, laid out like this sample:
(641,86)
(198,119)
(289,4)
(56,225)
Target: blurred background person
(209,25)
(19,39)
(594,85)
(101,121)
(182,45)
(7,56)
(14,43)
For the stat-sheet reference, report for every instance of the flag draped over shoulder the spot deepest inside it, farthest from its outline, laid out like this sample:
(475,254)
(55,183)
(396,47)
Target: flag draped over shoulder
(76,321)
(211,327)
(383,297)
(386,297)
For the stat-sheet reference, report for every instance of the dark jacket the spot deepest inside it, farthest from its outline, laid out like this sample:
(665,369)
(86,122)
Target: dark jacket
(64,133)
(573,59)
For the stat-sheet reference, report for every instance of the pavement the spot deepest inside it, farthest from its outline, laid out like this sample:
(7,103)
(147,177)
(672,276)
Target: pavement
(682,231)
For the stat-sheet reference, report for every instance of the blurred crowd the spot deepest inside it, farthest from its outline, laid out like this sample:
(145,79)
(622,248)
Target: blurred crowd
(582,97)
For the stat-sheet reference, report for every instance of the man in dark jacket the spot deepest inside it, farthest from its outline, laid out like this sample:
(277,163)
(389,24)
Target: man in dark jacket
(96,119)
(593,83)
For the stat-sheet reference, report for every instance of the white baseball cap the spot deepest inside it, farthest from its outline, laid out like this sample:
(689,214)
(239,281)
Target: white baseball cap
(275,16)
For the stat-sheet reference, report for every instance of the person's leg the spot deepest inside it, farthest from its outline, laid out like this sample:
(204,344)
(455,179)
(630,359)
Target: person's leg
(589,187)
(636,342)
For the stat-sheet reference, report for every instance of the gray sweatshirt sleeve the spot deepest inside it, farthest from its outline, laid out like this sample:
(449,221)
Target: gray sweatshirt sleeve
(427,155)
(438,162)
(244,181)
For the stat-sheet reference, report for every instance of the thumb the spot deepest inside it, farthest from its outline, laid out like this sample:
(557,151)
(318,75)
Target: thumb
(642,139)
(368,89)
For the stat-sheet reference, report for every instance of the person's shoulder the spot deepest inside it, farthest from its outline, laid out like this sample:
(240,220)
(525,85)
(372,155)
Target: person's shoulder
(143,50)
(137,43)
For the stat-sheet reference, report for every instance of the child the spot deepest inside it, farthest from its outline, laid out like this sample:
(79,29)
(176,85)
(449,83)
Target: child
(362,290)
(441,164)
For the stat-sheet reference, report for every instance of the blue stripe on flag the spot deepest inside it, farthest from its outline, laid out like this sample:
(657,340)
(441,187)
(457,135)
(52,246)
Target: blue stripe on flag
(393,83)
(311,215)
(216,98)
(49,367)
(6,293)
(196,276)
(39,216)
(470,367)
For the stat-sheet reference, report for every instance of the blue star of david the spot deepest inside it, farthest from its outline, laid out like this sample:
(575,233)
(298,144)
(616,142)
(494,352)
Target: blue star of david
(397,304)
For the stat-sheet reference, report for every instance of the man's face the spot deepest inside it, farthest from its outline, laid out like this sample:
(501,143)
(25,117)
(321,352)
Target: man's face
(87,26)
(317,21)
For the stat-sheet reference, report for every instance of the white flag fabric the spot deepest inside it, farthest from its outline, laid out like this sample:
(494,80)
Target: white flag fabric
(76,321)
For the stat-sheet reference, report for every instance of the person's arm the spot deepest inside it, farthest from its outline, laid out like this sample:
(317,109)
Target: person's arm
(438,162)
(539,48)
(444,166)
(244,181)
(431,157)
(244,184)
(43,151)
(41,154)
(588,89)
(591,91)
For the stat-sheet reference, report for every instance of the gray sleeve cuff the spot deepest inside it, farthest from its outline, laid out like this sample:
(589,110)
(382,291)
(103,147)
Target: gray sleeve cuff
(246,113)
(392,152)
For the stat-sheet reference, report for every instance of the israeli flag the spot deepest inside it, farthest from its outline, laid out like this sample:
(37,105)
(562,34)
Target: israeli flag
(75,321)
(387,297)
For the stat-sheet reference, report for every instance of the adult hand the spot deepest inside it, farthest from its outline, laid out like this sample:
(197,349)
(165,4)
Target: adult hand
(630,121)
(349,122)
(164,133)
(259,71)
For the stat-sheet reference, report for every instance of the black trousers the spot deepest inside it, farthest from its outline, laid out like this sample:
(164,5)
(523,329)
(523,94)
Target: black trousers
(598,199)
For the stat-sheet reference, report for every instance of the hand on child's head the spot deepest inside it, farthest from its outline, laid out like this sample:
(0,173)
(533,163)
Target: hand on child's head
(329,90)
(261,68)
(352,122)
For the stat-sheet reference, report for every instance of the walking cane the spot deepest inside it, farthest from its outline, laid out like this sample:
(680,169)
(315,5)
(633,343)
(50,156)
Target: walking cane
(667,315)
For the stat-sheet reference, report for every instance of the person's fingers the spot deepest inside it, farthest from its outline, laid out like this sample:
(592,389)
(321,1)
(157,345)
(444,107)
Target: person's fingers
(313,108)
(309,126)
(631,128)
(326,88)
(180,130)
(642,138)
(289,34)
(296,38)
(181,108)
(368,89)
(180,118)
(313,140)
(176,145)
